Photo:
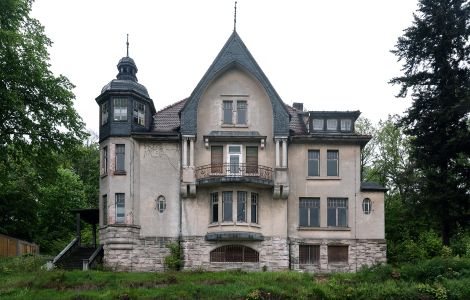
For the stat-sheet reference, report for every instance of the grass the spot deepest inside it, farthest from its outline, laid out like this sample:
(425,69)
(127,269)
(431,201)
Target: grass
(23,278)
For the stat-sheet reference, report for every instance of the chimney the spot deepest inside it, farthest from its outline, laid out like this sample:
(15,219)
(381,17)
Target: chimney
(298,105)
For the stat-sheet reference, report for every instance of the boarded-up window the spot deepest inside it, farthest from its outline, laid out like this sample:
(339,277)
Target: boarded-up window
(120,157)
(337,254)
(228,112)
(309,254)
(251,160)
(217,158)
(337,212)
(120,208)
(309,212)
(234,253)
(227,206)
(313,163)
(332,162)
(241,206)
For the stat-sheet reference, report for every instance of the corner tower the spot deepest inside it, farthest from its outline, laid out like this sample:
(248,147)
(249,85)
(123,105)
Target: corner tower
(125,105)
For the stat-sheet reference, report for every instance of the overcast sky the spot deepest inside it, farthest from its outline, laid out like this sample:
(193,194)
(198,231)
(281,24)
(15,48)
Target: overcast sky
(330,55)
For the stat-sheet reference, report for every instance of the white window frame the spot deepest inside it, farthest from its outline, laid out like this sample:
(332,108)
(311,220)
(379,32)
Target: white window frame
(367,206)
(346,124)
(330,121)
(232,171)
(120,112)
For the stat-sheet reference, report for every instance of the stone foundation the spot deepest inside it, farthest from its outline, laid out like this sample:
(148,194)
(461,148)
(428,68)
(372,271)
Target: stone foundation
(126,250)
(273,254)
(360,253)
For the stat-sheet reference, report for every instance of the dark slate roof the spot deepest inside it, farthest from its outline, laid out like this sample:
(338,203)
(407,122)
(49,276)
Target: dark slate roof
(234,54)
(125,86)
(234,133)
(354,114)
(372,186)
(167,119)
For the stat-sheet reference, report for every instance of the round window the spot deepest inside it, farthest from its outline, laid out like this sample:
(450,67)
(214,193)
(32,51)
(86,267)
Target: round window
(161,204)
(366,206)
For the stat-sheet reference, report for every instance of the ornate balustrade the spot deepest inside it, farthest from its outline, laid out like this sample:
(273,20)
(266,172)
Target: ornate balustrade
(234,172)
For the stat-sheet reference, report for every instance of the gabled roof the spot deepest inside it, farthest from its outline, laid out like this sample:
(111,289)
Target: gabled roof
(234,54)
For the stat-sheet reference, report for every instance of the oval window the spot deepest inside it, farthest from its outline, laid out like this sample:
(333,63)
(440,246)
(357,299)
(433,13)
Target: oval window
(161,204)
(366,206)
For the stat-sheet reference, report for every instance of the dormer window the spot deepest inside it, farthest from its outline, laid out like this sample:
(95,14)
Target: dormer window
(139,113)
(332,124)
(346,125)
(104,113)
(120,109)
(317,124)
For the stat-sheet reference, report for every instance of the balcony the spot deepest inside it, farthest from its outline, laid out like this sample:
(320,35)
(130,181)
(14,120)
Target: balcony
(234,173)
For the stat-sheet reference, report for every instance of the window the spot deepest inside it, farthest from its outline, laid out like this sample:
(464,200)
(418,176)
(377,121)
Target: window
(337,254)
(105,209)
(345,125)
(251,160)
(217,157)
(214,207)
(313,163)
(105,160)
(120,109)
(227,112)
(317,124)
(234,253)
(332,124)
(241,206)
(309,212)
(366,206)
(104,113)
(337,212)
(120,157)
(332,157)
(241,112)
(139,113)
(161,204)
(309,254)
(254,208)
(234,159)
(227,206)
(120,205)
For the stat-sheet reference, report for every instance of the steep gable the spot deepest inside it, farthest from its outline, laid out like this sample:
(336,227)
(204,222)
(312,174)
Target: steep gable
(234,54)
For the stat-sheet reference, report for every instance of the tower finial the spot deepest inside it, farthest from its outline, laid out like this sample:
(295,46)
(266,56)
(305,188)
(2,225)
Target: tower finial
(235,17)
(127,43)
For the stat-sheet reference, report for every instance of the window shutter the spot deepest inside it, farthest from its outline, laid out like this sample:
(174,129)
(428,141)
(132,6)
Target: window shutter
(251,160)
(217,159)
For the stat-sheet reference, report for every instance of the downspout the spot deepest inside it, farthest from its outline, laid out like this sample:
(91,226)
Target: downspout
(355,203)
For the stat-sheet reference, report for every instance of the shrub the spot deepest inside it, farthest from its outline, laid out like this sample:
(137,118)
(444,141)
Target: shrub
(173,261)
(460,244)
(430,243)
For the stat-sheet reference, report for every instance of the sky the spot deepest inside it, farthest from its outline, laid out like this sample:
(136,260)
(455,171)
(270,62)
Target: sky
(329,55)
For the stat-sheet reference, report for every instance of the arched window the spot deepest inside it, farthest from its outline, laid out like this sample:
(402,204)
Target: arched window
(366,206)
(234,253)
(161,204)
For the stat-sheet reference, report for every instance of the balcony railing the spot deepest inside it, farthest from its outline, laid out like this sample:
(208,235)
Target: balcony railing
(234,170)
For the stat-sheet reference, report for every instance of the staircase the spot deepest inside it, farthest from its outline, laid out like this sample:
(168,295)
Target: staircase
(74,261)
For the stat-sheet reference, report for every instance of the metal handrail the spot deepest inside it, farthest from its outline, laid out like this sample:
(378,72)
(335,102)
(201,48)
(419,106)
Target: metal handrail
(234,170)
(89,261)
(65,250)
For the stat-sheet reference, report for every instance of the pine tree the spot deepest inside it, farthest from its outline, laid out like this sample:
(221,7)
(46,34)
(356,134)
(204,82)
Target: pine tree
(435,51)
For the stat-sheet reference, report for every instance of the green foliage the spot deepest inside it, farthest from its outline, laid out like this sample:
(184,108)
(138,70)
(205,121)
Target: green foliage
(435,54)
(173,261)
(25,263)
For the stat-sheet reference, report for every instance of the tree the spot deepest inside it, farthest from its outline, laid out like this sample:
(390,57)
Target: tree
(38,123)
(36,108)
(435,51)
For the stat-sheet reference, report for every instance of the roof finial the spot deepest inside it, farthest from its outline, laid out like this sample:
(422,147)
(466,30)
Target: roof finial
(235,17)
(127,43)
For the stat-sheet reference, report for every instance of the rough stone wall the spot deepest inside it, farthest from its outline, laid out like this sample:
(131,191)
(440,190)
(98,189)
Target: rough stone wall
(362,252)
(126,250)
(273,254)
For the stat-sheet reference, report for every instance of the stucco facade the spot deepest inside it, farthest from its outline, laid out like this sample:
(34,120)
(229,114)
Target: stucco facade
(236,177)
